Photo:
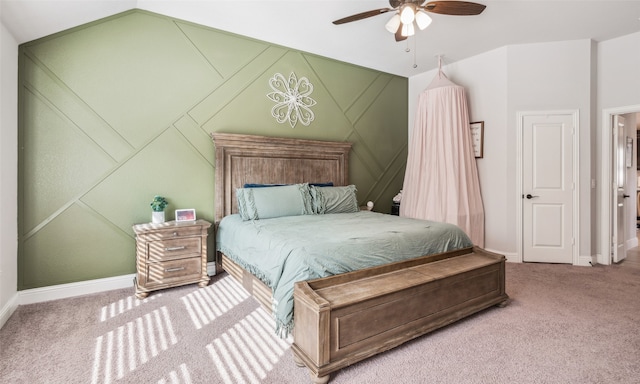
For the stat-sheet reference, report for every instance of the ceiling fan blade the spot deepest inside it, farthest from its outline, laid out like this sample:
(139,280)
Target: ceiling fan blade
(456,8)
(398,34)
(363,15)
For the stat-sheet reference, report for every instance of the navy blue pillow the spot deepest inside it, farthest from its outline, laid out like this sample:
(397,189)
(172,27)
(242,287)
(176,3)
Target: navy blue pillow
(250,185)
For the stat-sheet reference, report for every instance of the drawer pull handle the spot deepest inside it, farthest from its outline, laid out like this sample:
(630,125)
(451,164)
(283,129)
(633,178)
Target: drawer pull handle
(174,269)
(175,248)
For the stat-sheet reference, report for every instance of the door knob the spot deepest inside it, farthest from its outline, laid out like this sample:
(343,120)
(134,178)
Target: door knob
(529,196)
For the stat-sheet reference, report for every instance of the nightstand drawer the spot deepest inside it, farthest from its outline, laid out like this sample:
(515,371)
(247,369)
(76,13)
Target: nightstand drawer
(176,248)
(167,272)
(172,233)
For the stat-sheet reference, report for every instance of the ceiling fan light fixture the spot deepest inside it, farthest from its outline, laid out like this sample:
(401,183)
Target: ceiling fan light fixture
(393,24)
(408,30)
(422,19)
(407,14)
(411,14)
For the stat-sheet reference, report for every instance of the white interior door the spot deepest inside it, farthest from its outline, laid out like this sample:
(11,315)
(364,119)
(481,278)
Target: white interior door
(548,188)
(619,182)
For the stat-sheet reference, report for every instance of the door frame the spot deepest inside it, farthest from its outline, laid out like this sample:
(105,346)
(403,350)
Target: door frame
(575,113)
(606,193)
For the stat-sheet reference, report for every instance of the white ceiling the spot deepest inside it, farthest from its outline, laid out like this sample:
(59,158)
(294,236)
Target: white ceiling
(306,25)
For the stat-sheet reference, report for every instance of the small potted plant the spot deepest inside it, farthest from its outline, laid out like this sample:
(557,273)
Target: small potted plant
(158,204)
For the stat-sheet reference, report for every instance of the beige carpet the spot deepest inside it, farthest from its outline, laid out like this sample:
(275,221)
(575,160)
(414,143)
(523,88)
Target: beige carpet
(564,324)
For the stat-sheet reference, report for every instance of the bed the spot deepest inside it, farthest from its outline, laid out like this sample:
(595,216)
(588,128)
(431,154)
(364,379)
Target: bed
(335,305)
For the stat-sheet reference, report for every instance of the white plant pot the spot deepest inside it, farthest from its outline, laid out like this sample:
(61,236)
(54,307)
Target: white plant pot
(157,217)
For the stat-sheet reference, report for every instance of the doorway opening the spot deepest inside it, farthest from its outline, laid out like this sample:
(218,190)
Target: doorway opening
(607,197)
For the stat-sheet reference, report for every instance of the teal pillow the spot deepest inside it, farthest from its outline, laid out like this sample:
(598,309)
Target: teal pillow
(334,199)
(266,203)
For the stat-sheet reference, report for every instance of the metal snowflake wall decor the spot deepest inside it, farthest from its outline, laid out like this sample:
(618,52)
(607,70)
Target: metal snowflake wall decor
(292,99)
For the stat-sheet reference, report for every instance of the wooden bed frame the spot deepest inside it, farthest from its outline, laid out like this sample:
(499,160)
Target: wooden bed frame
(242,159)
(343,319)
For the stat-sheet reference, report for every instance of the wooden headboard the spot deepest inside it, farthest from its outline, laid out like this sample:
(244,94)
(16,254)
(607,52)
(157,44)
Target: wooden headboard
(242,159)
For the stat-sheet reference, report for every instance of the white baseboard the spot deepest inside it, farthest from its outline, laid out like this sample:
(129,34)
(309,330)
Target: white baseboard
(63,291)
(587,261)
(511,257)
(211,268)
(8,309)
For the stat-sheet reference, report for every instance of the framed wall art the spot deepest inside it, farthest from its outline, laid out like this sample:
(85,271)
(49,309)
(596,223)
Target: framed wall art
(477,138)
(629,152)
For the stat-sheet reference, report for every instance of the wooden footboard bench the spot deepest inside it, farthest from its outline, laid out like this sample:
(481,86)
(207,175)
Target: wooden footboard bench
(343,319)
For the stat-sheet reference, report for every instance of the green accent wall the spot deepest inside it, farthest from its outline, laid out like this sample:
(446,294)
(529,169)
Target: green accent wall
(114,112)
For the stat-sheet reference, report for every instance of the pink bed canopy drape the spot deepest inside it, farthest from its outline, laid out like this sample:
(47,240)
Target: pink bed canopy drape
(441,180)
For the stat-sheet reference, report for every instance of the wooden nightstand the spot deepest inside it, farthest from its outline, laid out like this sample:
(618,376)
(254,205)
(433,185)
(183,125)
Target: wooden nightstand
(170,254)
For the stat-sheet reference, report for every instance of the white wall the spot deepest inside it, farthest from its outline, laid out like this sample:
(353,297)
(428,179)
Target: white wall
(619,72)
(499,83)
(557,76)
(8,173)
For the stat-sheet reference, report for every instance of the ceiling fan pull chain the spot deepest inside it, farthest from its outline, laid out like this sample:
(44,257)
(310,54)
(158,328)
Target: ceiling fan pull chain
(415,49)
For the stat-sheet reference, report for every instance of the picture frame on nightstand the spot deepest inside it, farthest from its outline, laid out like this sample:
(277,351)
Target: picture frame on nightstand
(185,215)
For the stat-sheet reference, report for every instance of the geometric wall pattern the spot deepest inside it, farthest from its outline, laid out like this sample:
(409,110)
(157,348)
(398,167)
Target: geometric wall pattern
(116,111)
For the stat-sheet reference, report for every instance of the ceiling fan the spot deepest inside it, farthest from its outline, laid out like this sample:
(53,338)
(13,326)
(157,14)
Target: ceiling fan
(410,12)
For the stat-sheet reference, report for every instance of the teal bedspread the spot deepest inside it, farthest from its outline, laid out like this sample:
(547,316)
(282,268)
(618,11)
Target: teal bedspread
(281,251)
